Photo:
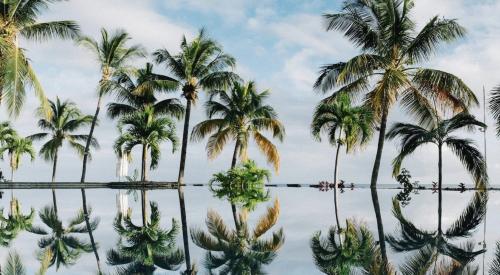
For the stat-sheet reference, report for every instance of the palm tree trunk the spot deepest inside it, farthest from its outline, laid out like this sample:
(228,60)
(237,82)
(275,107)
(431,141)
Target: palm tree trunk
(335,200)
(12,165)
(380,147)
(233,164)
(54,168)
(380,225)
(180,188)
(89,228)
(143,179)
(440,184)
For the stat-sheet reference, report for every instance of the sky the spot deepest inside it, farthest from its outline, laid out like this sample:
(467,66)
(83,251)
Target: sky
(280,45)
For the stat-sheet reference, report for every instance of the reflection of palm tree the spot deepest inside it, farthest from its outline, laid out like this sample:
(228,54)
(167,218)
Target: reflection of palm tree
(432,243)
(239,251)
(142,249)
(61,242)
(15,222)
(14,265)
(359,251)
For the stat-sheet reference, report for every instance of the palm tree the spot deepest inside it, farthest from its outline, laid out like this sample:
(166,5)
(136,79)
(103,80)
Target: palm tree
(239,251)
(20,18)
(239,115)
(6,132)
(14,265)
(16,147)
(143,249)
(359,251)
(135,91)
(15,220)
(62,242)
(113,55)
(430,244)
(344,124)
(65,120)
(391,54)
(144,129)
(414,136)
(201,65)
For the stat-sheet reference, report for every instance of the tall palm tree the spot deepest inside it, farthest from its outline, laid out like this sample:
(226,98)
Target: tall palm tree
(391,53)
(60,127)
(430,244)
(144,248)
(201,65)
(343,124)
(441,134)
(113,55)
(137,90)
(239,251)
(144,129)
(62,242)
(16,147)
(20,18)
(240,114)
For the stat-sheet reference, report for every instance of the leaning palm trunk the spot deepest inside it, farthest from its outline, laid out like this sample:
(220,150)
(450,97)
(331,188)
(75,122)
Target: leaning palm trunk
(380,147)
(335,199)
(380,225)
(180,188)
(89,228)
(233,164)
(54,168)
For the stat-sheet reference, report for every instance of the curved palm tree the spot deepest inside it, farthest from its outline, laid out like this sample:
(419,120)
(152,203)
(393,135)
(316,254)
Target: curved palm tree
(20,18)
(430,244)
(391,54)
(359,251)
(65,120)
(135,91)
(240,114)
(61,242)
(144,129)
(201,65)
(16,147)
(142,249)
(113,55)
(240,251)
(344,124)
(413,136)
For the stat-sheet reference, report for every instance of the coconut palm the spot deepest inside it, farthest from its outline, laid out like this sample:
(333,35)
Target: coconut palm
(343,124)
(144,129)
(65,120)
(441,134)
(359,251)
(16,147)
(6,132)
(14,265)
(239,251)
(20,18)
(142,249)
(430,244)
(201,65)
(62,242)
(391,53)
(15,220)
(135,91)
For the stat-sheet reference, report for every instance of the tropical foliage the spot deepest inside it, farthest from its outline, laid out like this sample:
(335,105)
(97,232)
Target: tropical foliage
(14,223)
(16,147)
(141,250)
(241,251)
(6,132)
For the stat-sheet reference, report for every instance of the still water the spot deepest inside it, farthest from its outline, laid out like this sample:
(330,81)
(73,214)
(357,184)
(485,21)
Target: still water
(303,212)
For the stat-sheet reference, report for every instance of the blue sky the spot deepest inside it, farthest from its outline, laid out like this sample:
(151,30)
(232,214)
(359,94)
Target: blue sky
(280,45)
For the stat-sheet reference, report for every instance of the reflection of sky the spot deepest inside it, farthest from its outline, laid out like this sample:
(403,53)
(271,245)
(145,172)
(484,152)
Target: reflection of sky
(303,212)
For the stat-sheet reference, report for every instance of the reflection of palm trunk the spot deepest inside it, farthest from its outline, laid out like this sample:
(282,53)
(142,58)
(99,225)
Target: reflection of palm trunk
(54,168)
(380,147)
(380,225)
(440,182)
(89,228)
(233,164)
(180,188)
(335,200)
(144,179)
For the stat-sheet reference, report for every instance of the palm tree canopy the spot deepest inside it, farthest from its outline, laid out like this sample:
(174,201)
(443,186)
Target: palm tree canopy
(243,251)
(14,265)
(413,136)
(494,106)
(112,53)
(6,132)
(16,147)
(136,90)
(391,51)
(337,117)
(200,65)
(65,120)
(240,114)
(141,249)
(144,128)
(20,18)
(61,242)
